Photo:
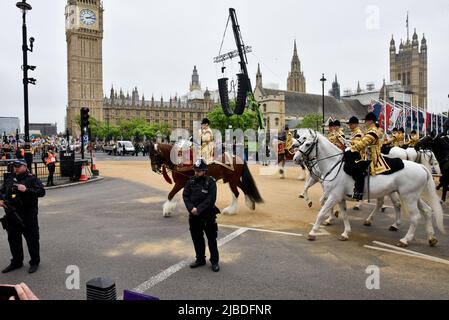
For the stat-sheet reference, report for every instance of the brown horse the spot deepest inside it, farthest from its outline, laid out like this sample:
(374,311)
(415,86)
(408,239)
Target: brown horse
(285,155)
(238,177)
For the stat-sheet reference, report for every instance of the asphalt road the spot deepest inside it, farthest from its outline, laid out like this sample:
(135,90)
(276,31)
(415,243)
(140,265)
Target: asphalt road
(114,228)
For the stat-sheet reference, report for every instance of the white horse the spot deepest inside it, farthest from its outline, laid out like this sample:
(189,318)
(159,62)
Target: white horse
(409,183)
(424,157)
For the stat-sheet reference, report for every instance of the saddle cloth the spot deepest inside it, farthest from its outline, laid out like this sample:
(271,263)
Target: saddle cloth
(351,165)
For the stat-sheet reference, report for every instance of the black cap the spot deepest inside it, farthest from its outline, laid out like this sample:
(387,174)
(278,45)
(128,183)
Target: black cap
(337,123)
(371,117)
(331,123)
(354,120)
(287,128)
(205,121)
(402,130)
(413,132)
(395,129)
(200,165)
(19,162)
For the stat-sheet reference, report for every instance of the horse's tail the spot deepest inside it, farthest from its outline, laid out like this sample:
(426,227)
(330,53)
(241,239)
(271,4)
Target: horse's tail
(250,185)
(435,203)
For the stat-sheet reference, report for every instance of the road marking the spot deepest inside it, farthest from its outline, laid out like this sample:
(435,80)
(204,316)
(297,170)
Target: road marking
(164,275)
(382,244)
(413,255)
(264,230)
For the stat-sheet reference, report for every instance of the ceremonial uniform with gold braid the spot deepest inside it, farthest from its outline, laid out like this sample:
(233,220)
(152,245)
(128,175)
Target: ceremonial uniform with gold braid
(207,145)
(369,148)
(337,137)
(356,136)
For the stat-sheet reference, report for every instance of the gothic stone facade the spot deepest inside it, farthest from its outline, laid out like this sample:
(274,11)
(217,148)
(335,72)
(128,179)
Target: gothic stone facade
(409,66)
(84,36)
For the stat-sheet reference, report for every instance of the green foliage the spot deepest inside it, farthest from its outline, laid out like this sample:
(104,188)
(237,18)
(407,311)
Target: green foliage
(219,121)
(311,121)
(127,129)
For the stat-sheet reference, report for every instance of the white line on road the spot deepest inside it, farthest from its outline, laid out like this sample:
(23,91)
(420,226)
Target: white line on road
(264,230)
(382,244)
(177,267)
(428,258)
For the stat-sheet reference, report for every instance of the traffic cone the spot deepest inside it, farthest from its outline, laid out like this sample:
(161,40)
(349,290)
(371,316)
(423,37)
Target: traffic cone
(93,167)
(83,176)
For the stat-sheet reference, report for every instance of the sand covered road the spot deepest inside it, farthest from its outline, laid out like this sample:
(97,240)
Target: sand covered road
(281,210)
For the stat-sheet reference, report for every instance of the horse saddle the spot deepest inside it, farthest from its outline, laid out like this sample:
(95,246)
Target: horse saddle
(354,164)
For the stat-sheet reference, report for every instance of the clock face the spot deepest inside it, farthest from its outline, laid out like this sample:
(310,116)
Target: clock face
(88,17)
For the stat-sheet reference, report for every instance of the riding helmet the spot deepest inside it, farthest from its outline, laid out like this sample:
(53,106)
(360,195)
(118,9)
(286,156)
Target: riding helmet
(354,120)
(205,121)
(371,117)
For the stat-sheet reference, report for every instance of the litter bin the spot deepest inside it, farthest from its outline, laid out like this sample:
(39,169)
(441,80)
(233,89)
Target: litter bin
(67,160)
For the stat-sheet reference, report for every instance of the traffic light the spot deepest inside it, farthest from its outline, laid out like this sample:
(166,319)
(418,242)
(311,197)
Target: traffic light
(84,117)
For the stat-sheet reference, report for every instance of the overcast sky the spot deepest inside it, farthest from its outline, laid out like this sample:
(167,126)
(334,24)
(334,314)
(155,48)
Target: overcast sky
(155,44)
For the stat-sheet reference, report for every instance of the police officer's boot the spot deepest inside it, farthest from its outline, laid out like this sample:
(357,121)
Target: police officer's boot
(12,267)
(197,263)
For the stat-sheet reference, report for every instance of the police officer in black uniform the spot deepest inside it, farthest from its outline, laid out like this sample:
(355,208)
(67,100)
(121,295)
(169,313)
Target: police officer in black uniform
(199,196)
(19,196)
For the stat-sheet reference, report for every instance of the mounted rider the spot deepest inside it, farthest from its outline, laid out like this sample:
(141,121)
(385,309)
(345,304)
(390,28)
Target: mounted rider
(356,132)
(286,138)
(369,152)
(338,136)
(414,139)
(207,142)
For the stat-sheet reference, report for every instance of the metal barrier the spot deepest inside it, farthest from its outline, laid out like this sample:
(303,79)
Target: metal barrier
(39,169)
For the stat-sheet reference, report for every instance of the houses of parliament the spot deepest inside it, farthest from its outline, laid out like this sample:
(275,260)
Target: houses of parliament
(84,36)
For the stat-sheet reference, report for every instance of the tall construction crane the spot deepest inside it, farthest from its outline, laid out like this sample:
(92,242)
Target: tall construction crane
(244,91)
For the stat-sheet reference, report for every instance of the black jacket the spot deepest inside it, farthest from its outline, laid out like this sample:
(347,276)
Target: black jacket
(201,193)
(25,202)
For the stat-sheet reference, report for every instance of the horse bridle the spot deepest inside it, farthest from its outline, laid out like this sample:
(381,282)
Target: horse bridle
(155,156)
(311,163)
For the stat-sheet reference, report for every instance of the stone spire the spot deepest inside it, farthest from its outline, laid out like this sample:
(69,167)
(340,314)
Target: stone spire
(259,83)
(195,84)
(296,81)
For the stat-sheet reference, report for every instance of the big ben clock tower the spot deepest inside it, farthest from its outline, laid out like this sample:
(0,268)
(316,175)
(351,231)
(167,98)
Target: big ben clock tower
(84,36)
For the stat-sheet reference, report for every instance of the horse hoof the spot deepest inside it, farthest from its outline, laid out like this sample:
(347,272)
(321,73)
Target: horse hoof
(383,210)
(336,214)
(433,242)
(356,209)
(311,238)
(301,196)
(367,223)
(402,244)
(343,238)
(310,204)
(393,229)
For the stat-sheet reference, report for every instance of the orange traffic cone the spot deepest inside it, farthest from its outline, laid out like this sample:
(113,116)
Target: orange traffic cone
(94,165)
(83,176)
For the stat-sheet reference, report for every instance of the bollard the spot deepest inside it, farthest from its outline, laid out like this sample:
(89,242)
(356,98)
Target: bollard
(101,289)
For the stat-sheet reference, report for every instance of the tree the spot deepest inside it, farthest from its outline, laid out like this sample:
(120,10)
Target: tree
(219,121)
(311,121)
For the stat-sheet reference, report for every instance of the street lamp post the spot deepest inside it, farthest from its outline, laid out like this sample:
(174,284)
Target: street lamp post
(24,7)
(323,80)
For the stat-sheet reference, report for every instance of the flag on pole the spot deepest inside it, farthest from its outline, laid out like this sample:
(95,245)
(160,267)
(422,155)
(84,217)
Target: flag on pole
(384,119)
